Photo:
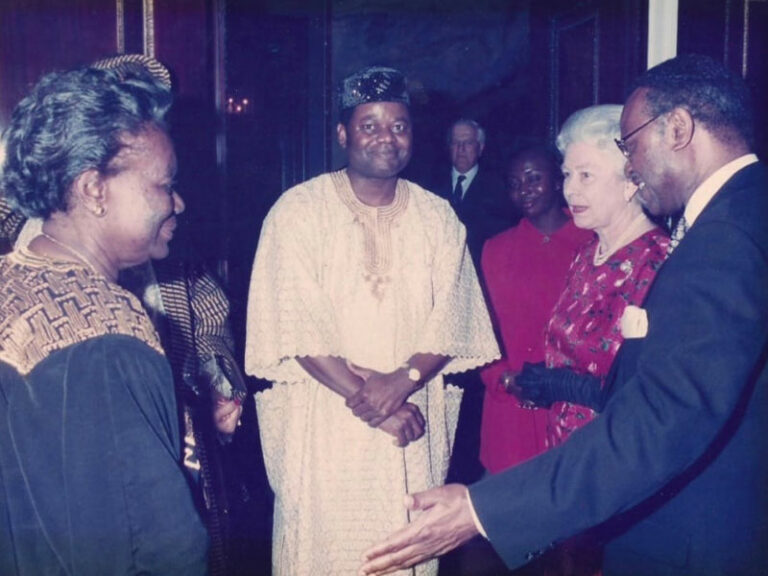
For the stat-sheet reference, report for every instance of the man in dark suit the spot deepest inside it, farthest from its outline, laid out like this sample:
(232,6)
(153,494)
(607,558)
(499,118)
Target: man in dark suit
(477,195)
(674,470)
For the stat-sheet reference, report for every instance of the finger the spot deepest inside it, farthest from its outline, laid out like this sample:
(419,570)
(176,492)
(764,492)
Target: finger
(420,419)
(418,430)
(376,421)
(391,557)
(402,436)
(356,399)
(423,500)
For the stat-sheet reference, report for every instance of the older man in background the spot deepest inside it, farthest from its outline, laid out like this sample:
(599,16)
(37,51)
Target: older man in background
(476,193)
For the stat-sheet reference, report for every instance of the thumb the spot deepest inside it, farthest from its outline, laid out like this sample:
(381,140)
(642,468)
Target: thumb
(423,500)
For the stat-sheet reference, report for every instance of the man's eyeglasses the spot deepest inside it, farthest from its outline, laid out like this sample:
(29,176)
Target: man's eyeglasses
(622,142)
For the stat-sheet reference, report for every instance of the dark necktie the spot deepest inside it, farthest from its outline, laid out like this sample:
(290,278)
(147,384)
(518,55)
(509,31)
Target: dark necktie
(458,191)
(677,234)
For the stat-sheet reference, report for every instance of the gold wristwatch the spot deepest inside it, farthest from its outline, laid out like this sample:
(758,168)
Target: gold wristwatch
(414,374)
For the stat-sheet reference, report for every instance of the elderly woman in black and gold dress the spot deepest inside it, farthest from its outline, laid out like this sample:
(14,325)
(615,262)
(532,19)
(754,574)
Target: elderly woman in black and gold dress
(90,475)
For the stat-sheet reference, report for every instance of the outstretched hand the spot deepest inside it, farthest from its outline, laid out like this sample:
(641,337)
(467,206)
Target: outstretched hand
(444,523)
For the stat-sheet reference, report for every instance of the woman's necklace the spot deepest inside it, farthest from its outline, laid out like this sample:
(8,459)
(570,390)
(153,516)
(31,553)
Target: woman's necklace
(639,226)
(72,251)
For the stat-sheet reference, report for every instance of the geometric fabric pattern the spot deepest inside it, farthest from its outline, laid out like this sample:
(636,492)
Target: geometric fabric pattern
(47,305)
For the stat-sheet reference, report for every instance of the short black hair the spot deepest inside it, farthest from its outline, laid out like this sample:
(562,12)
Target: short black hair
(713,95)
(546,151)
(72,122)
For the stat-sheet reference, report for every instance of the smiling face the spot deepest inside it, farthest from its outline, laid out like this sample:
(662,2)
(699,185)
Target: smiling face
(594,184)
(465,147)
(378,139)
(534,184)
(140,201)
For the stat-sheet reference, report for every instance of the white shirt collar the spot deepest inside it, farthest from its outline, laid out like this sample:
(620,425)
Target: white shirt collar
(469,175)
(707,189)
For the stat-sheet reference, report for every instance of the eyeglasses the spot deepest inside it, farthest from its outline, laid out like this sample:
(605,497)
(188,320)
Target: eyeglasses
(622,142)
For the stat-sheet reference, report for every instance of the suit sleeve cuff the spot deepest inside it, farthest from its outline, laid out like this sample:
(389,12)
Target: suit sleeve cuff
(475,519)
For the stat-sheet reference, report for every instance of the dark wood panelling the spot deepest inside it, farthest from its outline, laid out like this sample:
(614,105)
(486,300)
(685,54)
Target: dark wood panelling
(37,36)
(591,50)
(734,32)
(184,40)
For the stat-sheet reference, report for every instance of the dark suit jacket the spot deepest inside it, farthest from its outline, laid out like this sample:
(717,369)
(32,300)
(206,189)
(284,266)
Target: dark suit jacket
(485,210)
(676,462)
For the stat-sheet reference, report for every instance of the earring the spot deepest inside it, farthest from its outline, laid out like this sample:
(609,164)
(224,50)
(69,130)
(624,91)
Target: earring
(99,210)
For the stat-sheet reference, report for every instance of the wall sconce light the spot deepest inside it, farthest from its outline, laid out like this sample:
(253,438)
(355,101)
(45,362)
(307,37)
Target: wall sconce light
(238,105)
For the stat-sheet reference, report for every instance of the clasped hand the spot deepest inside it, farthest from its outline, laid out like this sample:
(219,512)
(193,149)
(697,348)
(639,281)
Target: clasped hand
(381,403)
(381,395)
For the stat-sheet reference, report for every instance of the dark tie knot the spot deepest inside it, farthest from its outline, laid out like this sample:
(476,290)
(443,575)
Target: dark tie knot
(458,190)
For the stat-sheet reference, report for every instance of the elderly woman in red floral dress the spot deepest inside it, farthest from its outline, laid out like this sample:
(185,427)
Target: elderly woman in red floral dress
(612,271)
(609,273)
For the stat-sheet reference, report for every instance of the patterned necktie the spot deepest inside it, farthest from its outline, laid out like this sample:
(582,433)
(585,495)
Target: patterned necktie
(677,234)
(458,191)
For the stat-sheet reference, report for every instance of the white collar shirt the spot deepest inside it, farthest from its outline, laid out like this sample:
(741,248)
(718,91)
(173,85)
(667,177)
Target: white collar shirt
(469,175)
(707,189)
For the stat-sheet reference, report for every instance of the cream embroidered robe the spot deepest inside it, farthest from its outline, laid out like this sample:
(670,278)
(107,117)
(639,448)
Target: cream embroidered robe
(334,277)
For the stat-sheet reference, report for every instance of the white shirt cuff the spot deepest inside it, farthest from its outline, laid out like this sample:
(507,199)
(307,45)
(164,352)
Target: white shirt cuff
(475,519)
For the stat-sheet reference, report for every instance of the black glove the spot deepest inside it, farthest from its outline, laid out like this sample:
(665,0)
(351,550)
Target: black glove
(544,386)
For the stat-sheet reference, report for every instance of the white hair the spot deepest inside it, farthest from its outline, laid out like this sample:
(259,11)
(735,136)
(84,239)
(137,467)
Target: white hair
(468,122)
(597,125)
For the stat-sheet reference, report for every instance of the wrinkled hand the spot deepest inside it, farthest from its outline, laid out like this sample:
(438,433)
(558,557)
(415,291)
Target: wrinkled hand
(226,414)
(380,396)
(406,424)
(444,524)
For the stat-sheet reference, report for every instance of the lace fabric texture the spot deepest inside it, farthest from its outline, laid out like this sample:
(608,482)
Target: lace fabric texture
(333,277)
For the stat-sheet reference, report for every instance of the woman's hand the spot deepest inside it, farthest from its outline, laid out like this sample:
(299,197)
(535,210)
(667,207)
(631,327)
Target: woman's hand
(406,424)
(226,413)
(539,386)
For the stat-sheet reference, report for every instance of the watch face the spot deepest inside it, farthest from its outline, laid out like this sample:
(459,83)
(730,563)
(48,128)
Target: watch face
(414,375)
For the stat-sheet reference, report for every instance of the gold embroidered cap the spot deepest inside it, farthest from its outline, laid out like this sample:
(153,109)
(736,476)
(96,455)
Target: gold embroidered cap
(373,84)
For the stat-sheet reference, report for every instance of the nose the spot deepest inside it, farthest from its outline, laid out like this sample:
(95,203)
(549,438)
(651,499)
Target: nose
(178,203)
(386,136)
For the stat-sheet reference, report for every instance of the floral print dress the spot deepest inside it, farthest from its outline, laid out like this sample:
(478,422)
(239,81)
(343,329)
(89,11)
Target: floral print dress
(584,330)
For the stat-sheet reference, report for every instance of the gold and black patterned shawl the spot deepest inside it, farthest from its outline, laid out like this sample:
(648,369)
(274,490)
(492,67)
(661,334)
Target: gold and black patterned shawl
(48,305)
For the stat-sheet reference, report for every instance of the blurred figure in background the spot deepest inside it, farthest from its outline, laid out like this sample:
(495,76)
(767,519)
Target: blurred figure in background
(524,270)
(476,193)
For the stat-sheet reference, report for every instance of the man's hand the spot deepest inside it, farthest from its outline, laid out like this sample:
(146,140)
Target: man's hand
(406,424)
(381,394)
(444,524)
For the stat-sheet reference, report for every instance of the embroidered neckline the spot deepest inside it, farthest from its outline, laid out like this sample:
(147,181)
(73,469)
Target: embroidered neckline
(377,223)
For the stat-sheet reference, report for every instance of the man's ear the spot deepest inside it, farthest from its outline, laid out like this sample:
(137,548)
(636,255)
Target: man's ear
(341,134)
(480,148)
(680,128)
(89,190)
